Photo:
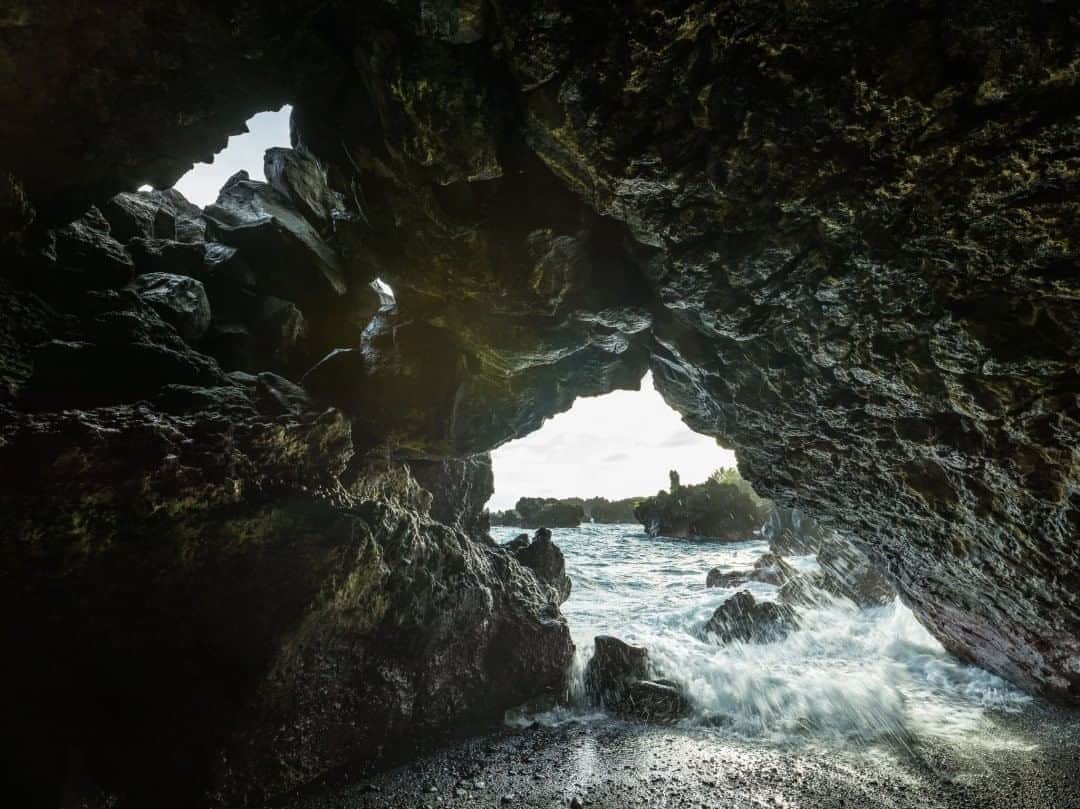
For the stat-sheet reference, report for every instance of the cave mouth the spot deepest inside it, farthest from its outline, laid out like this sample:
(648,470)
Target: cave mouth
(758,623)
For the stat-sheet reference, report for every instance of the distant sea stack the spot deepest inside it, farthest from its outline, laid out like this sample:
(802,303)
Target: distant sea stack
(566,512)
(723,507)
(538,512)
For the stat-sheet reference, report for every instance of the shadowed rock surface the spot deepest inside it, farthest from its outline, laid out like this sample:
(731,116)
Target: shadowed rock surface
(620,677)
(711,510)
(543,557)
(842,237)
(769,569)
(743,618)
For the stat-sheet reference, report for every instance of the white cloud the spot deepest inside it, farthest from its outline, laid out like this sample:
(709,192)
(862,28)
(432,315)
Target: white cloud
(619,445)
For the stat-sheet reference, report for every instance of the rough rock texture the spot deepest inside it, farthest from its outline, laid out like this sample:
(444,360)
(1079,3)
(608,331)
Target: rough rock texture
(742,618)
(208,600)
(620,677)
(842,236)
(768,569)
(206,584)
(180,300)
(710,510)
(544,558)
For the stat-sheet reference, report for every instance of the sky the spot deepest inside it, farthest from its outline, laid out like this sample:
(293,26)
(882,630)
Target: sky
(613,446)
(202,183)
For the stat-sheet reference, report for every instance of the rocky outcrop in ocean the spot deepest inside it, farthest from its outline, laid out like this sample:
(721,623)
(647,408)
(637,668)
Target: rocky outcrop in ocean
(620,677)
(714,509)
(541,512)
(743,618)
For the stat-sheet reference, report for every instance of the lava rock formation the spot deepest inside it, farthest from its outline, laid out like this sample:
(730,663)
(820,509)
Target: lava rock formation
(841,235)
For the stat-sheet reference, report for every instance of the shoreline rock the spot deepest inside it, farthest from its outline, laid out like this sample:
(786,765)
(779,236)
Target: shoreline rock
(743,618)
(621,678)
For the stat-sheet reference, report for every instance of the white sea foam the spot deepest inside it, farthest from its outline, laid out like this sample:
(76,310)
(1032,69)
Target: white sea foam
(847,673)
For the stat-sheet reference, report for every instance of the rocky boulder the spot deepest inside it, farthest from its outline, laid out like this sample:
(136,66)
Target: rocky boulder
(768,569)
(290,258)
(619,676)
(180,300)
(544,558)
(743,619)
(155,215)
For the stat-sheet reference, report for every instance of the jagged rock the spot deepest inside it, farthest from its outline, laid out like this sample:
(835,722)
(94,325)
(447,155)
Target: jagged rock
(275,395)
(741,618)
(289,257)
(875,307)
(154,215)
(544,558)
(768,569)
(713,510)
(619,676)
(123,352)
(518,542)
(303,181)
(180,300)
(131,215)
(459,489)
(295,624)
(152,255)
(86,255)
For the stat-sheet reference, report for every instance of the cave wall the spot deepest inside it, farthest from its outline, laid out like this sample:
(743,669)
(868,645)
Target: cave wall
(855,224)
(841,235)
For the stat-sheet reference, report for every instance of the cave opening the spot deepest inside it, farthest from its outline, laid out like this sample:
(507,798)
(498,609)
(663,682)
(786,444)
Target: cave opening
(691,598)
(243,480)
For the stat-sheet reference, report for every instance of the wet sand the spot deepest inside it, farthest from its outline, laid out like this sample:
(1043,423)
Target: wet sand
(1031,760)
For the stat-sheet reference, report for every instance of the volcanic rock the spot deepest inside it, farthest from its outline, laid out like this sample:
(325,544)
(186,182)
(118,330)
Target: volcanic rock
(768,569)
(181,301)
(742,618)
(619,676)
(791,532)
(289,257)
(544,558)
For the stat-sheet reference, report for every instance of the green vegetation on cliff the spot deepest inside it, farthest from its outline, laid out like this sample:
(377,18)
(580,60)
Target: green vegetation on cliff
(723,507)
(534,512)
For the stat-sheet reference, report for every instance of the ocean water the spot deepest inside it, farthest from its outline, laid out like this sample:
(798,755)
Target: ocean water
(847,674)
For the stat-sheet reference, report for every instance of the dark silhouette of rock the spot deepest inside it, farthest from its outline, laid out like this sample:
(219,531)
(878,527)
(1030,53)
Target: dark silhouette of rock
(742,618)
(768,569)
(812,229)
(85,256)
(714,509)
(289,257)
(181,301)
(544,558)
(165,215)
(301,179)
(537,512)
(620,677)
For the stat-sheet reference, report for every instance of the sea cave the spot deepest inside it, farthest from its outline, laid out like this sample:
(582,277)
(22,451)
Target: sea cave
(279,280)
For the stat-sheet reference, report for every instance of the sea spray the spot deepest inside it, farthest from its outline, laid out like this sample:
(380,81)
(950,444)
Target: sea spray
(846,674)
